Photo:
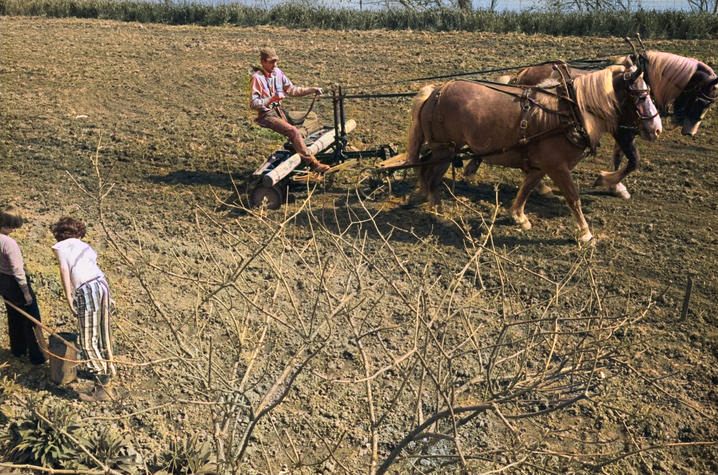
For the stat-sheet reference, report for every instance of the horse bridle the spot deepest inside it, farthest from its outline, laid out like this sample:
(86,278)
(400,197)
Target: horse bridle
(638,95)
(699,96)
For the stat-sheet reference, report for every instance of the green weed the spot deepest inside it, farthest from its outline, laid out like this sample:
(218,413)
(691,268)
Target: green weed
(44,436)
(189,456)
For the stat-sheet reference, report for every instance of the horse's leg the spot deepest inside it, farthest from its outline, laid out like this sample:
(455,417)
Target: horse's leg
(543,189)
(438,175)
(517,209)
(617,156)
(605,179)
(471,168)
(562,178)
(619,189)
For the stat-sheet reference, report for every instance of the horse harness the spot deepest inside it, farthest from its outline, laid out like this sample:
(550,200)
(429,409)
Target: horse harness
(572,123)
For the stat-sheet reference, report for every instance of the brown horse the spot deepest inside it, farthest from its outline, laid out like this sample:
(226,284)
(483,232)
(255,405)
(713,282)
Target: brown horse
(526,130)
(686,85)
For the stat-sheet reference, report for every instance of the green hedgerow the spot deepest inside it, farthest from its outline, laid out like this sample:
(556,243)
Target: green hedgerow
(651,24)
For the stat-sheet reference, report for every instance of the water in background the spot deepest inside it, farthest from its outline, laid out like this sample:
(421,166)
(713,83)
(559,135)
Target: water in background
(483,4)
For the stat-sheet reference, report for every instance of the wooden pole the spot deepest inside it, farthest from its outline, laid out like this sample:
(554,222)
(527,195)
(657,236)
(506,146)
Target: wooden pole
(43,327)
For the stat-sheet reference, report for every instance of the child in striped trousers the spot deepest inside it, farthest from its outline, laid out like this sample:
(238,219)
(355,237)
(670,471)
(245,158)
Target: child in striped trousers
(88,296)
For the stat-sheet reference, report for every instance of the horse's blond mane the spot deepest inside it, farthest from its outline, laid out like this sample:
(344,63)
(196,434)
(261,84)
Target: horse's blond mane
(616,68)
(597,101)
(668,75)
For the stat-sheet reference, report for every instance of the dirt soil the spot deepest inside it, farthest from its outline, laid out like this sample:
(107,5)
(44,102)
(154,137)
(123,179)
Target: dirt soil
(165,110)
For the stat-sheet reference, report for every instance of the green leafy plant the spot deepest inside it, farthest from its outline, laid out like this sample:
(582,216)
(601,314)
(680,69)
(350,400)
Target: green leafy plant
(8,387)
(113,449)
(190,455)
(43,436)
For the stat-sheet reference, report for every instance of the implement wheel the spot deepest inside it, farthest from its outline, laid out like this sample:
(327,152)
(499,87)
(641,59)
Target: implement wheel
(270,197)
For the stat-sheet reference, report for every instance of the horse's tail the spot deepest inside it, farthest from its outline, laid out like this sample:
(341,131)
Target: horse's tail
(416,131)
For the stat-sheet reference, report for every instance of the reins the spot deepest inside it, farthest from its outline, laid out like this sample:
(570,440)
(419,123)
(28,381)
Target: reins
(306,114)
(583,63)
(575,118)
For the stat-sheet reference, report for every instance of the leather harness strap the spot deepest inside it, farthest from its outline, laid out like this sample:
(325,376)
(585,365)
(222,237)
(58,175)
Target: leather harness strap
(643,63)
(579,136)
(437,118)
(525,103)
(572,122)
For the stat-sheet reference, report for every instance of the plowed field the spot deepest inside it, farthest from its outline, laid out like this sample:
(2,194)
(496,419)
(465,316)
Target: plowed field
(363,319)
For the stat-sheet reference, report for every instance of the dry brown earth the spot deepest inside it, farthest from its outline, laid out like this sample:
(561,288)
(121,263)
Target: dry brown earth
(168,107)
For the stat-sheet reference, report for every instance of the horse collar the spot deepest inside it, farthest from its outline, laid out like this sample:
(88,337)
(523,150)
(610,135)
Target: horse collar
(576,133)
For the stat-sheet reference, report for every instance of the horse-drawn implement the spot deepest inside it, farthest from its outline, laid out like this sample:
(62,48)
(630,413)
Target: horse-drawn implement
(328,143)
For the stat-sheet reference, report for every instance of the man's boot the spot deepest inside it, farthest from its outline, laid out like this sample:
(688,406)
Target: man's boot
(315,164)
(101,392)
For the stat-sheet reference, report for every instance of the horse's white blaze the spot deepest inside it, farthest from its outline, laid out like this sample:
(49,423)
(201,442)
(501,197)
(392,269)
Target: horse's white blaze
(650,128)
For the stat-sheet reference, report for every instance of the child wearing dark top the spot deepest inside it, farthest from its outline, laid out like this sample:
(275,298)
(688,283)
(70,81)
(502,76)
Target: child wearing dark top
(15,287)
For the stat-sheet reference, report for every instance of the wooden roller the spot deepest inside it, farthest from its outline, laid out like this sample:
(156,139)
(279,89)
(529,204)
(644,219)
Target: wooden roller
(285,168)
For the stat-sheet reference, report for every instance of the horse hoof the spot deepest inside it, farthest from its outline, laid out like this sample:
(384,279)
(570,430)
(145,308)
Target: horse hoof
(522,221)
(621,191)
(414,200)
(471,169)
(586,238)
